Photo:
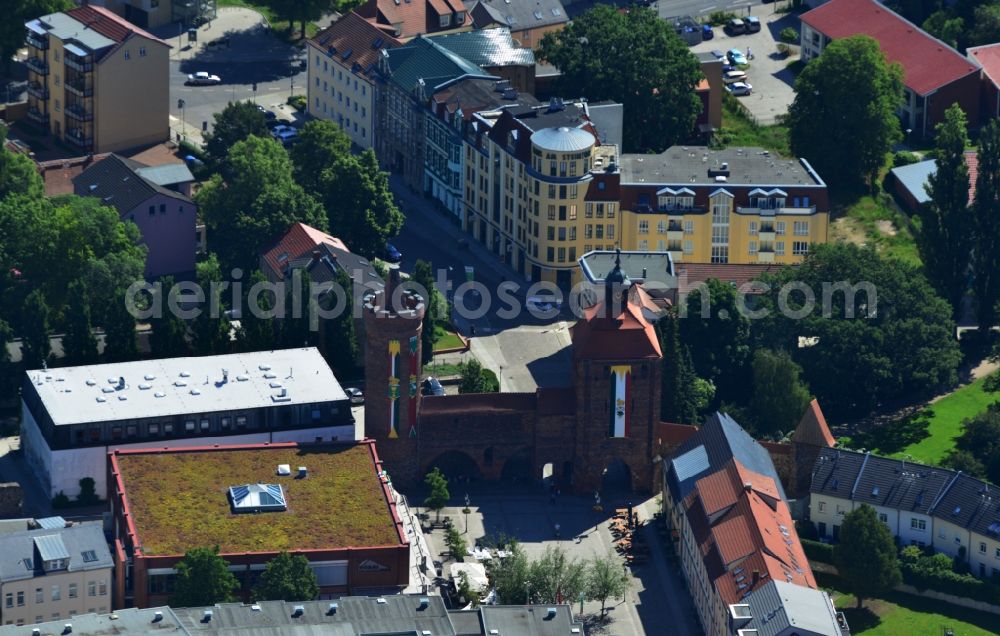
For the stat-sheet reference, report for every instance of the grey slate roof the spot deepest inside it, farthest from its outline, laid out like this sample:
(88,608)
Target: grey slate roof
(487,47)
(166,174)
(423,59)
(518,14)
(945,494)
(722,439)
(689,166)
(117,183)
(609,119)
(66,27)
(71,543)
(123,621)
(914,177)
(528,621)
(786,609)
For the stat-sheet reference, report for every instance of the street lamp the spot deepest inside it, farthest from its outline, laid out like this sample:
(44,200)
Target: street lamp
(625,580)
(466,510)
(527,593)
(181,104)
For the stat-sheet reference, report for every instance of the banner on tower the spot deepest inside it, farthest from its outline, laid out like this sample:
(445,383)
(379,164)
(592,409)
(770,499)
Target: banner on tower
(621,401)
(414,342)
(394,389)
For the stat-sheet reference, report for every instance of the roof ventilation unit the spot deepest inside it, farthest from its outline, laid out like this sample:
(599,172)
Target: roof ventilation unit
(551,612)
(68,628)
(207,616)
(255,607)
(157,617)
(303,472)
(284,470)
(424,603)
(36,632)
(298,610)
(332,609)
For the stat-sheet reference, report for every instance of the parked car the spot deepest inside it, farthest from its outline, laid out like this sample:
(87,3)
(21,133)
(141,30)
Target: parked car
(202,78)
(752,24)
(706,32)
(392,254)
(736,27)
(285,134)
(739,89)
(355,395)
(431,386)
(268,115)
(544,302)
(718,54)
(731,77)
(223,41)
(736,57)
(728,67)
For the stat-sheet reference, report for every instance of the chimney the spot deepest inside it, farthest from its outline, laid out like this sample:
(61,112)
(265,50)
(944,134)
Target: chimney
(643,273)
(316,256)
(756,578)
(747,486)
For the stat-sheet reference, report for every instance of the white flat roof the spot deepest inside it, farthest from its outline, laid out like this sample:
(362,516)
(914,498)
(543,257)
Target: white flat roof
(180,386)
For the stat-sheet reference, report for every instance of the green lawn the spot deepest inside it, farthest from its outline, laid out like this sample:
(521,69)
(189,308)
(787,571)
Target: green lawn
(443,370)
(279,26)
(944,421)
(446,339)
(905,614)
(868,220)
(739,130)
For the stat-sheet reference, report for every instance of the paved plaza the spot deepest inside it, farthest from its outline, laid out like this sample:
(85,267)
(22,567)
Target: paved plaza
(657,595)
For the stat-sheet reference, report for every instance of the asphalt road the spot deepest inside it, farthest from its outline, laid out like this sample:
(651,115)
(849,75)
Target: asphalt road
(702,8)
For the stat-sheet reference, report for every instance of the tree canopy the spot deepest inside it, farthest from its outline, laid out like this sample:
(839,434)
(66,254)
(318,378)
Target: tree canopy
(236,122)
(683,395)
(438,497)
(978,447)
(18,174)
(16,13)
(853,90)
(203,578)
(866,555)
(256,204)
(287,578)
(634,58)
(986,224)
(79,343)
(945,237)
(717,334)
(477,379)
(780,396)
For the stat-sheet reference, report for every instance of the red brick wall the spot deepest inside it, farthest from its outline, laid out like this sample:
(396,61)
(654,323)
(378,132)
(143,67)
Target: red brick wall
(964,91)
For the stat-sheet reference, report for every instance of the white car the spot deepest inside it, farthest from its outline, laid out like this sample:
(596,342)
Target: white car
(284,134)
(740,88)
(201,78)
(356,396)
(731,77)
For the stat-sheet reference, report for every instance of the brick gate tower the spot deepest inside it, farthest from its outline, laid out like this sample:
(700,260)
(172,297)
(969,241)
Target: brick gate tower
(616,356)
(393,319)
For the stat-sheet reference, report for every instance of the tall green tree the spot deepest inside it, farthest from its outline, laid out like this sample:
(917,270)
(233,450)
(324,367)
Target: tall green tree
(8,370)
(423,275)
(16,13)
(439,495)
(287,578)
(556,577)
(477,379)
(985,25)
(636,59)
(986,255)
(866,555)
(256,203)
(79,343)
(945,237)
(605,579)
(718,335)
(35,346)
(948,29)
(852,89)
(340,337)
(511,576)
(980,439)
(256,332)
(18,173)
(210,328)
(352,188)
(679,399)
(169,331)
(203,578)
(119,332)
(236,122)
(296,329)
(780,396)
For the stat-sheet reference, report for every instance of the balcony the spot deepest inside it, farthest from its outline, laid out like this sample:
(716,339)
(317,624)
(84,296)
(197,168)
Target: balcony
(675,231)
(84,66)
(79,138)
(811,209)
(79,88)
(38,65)
(39,42)
(765,255)
(76,111)
(37,90)
(767,233)
(38,116)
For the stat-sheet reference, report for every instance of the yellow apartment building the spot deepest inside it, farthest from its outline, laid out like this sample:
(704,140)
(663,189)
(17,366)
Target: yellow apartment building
(96,81)
(737,205)
(153,14)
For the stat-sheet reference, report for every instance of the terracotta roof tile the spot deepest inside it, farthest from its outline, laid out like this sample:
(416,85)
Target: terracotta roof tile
(812,428)
(928,63)
(689,275)
(109,24)
(413,16)
(988,57)
(674,434)
(298,241)
(629,335)
(357,38)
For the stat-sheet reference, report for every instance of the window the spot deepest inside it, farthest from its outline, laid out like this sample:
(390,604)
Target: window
(779,228)
(588,211)
(89,556)
(39,596)
(800,248)
(688,247)
(92,588)
(550,233)
(599,231)
(611,231)
(588,232)
(446,20)
(204,425)
(58,106)
(550,254)
(779,248)
(562,254)
(142,51)
(189,425)
(102,588)
(552,213)
(643,245)
(753,228)
(56,594)
(572,212)
(982,547)
(661,227)
(562,234)
(800,228)
(72,590)
(689,227)
(168,429)
(20,598)
(643,227)
(163,208)
(8,600)
(152,210)
(822,506)
(720,253)
(154,429)
(753,247)
(128,54)
(921,524)
(883,517)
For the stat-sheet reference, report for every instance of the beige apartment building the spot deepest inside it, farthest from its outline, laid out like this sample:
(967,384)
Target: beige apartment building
(53,572)
(153,14)
(96,81)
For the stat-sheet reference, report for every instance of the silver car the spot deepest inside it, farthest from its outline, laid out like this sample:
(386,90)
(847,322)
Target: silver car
(739,89)
(201,78)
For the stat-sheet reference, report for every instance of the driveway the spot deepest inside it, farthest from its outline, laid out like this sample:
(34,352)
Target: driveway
(768,72)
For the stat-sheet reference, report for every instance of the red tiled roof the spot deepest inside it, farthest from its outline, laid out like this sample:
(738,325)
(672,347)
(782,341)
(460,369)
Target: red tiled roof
(988,57)
(673,434)
(689,275)
(604,186)
(927,62)
(746,535)
(58,174)
(627,336)
(412,15)
(109,24)
(298,241)
(358,36)
(812,429)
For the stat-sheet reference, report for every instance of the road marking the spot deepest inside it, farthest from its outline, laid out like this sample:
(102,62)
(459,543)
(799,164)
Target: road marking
(708,8)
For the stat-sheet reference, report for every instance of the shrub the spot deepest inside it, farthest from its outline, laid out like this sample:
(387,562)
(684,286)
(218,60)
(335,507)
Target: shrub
(88,495)
(937,573)
(789,35)
(60,500)
(903,158)
(817,551)
(806,530)
(719,18)
(298,102)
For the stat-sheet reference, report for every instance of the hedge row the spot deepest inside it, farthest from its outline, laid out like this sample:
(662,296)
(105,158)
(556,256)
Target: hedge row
(923,576)
(817,551)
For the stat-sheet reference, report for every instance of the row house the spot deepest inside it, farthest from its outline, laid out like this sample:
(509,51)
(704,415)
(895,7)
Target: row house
(926,506)
(528,20)
(739,551)
(406,19)
(96,81)
(341,62)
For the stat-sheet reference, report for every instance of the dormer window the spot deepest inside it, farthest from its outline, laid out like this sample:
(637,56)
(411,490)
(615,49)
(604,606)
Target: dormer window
(446,20)
(460,17)
(51,552)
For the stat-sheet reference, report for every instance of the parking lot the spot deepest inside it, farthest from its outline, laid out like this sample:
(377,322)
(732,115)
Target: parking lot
(768,73)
